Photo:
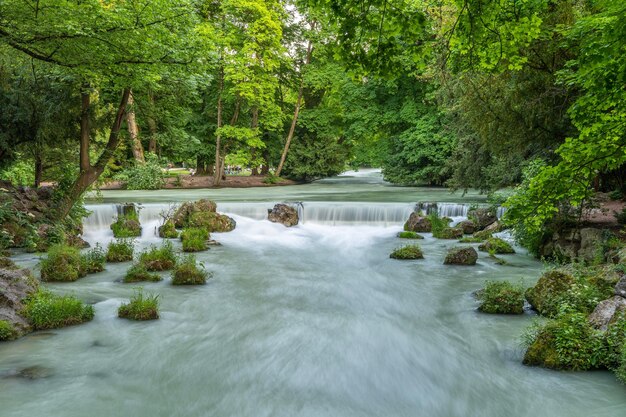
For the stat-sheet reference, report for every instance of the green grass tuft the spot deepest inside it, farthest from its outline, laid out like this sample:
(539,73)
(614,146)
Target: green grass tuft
(409,235)
(140,307)
(189,273)
(46,310)
(138,272)
(121,250)
(407,252)
(93,260)
(63,263)
(159,258)
(194,239)
(501,297)
(7,331)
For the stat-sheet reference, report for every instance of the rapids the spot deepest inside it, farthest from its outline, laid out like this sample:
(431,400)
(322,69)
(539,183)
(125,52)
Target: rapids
(313,320)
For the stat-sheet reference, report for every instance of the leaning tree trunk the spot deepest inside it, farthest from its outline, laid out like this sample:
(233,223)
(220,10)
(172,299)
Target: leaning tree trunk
(90,173)
(296,112)
(133,132)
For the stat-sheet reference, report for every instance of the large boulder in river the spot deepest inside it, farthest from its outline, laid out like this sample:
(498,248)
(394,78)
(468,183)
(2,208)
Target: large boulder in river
(284,214)
(546,294)
(419,223)
(467,226)
(482,217)
(184,212)
(461,256)
(606,312)
(15,286)
(202,214)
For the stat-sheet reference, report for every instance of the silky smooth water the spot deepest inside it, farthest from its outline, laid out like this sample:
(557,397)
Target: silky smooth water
(313,320)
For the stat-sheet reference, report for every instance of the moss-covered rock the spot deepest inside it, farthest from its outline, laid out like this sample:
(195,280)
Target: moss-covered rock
(461,256)
(470,239)
(417,222)
(212,222)
(140,307)
(167,230)
(409,235)
(16,286)
(497,246)
(483,234)
(93,260)
(501,297)
(467,226)
(189,273)
(184,212)
(138,273)
(546,295)
(283,214)
(159,258)
(482,217)
(121,250)
(63,263)
(568,343)
(194,239)
(448,233)
(407,252)
(126,226)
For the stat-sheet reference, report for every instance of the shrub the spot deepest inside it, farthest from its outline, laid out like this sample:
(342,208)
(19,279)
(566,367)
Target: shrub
(407,252)
(140,307)
(167,230)
(270,178)
(45,310)
(7,331)
(438,224)
(126,226)
(616,195)
(138,272)
(159,258)
(194,239)
(620,216)
(121,250)
(188,273)
(497,246)
(501,297)
(409,235)
(566,343)
(93,260)
(147,176)
(63,263)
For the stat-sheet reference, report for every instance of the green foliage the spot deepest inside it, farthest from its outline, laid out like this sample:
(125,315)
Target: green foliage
(568,343)
(63,263)
(146,176)
(140,307)
(440,226)
(188,272)
(159,258)
(7,331)
(126,226)
(471,240)
(20,173)
(167,230)
(501,297)
(407,252)
(448,233)
(93,260)
(139,272)
(45,310)
(121,250)
(621,216)
(409,235)
(616,195)
(270,178)
(497,246)
(194,239)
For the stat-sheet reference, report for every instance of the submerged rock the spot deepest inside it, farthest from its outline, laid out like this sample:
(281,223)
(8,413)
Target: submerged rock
(284,214)
(461,256)
(606,312)
(15,286)
(418,223)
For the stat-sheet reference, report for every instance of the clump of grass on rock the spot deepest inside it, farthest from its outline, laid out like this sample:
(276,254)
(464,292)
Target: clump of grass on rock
(461,256)
(159,258)
(127,225)
(194,239)
(167,230)
(121,250)
(63,263)
(93,260)
(138,272)
(140,307)
(497,246)
(471,239)
(409,235)
(407,252)
(45,310)
(188,272)
(501,297)
(7,331)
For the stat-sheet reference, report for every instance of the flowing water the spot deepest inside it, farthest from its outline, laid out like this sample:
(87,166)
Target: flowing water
(313,320)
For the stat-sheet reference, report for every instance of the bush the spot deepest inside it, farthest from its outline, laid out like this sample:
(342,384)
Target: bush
(497,246)
(126,226)
(159,258)
(93,260)
(140,307)
(167,230)
(620,216)
(121,250)
(568,343)
(63,263)
(438,224)
(188,273)
(407,252)
(7,331)
(501,297)
(148,176)
(138,272)
(616,195)
(194,239)
(45,310)
(409,235)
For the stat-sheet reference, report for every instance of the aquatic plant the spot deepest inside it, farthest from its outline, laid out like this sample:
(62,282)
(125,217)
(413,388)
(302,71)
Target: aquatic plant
(194,239)
(167,230)
(140,307)
(159,258)
(93,260)
(63,263)
(409,235)
(189,273)
(501,297)
(121,250)
(45,310)
(138,272)
(127,225)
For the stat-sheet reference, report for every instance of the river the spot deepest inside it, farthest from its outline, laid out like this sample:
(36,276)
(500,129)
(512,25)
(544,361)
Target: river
(313,320)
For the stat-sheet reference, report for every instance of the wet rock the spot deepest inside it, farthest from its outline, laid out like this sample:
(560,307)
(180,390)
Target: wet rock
(212,222)
(605,312)
(418,223)
(549,288)
(497,246)
(620,287)
(590,241)
(461,256)
(449,233)
(467,226)
(184,212)
(495,227)
(15,286)
(482,217)
(283,214)
(34,372)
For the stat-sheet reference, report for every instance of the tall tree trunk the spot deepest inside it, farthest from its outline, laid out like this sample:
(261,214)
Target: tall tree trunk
(152,127)
(38,168)
(217,177)
(88,176)
(133,132)
(296,112)
(84,129)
